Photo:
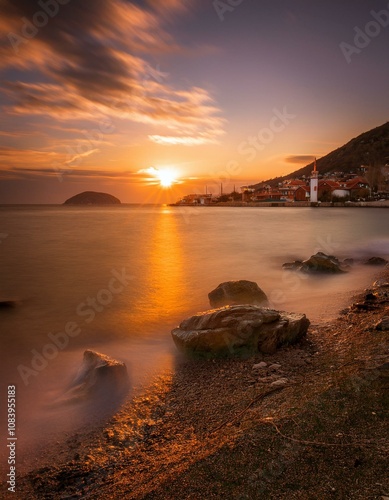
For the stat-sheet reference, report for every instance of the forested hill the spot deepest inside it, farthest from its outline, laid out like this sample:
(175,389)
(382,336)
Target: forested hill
(370,148)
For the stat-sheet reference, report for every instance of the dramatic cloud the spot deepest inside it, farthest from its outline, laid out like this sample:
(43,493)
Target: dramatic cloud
(88,59)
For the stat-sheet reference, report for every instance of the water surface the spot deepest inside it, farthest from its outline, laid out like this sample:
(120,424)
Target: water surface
(60,262)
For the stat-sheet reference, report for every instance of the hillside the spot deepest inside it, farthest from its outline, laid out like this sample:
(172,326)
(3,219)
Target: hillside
(92,198)
(370,148)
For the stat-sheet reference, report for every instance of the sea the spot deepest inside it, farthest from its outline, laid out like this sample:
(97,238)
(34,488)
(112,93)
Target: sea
(118,279)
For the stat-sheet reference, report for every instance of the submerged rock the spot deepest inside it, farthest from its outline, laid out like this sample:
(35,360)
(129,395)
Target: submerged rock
(8,304)
(293,266)
(318,263)
(238,330)
(376,261)
(237,292)
(98,375)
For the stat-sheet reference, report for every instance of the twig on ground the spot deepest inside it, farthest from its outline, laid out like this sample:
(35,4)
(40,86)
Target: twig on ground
(315,443)
(260,396)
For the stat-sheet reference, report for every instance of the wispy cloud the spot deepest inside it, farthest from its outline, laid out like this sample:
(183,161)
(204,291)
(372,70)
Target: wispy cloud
(145,176)
(79,174)
(92,60)
(299,159)
(182,140)
(81,155)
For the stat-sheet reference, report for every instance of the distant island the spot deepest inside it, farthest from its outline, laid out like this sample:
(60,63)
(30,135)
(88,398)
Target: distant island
(92,198)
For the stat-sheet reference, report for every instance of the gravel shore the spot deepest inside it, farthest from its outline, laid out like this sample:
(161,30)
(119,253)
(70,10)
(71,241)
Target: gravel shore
(308,422)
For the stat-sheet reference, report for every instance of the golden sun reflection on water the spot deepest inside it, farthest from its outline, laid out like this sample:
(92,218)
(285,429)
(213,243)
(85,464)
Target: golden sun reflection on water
(166,287)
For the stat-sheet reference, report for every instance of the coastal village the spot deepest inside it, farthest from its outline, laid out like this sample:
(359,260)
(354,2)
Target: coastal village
(329,188)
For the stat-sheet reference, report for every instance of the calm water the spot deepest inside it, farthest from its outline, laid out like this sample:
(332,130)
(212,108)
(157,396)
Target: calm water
(56,259)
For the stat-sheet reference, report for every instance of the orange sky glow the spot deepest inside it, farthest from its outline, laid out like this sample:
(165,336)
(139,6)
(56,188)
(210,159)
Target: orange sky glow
(153,100)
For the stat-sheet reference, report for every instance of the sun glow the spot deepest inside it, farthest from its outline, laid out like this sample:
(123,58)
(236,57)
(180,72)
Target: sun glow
(166,176)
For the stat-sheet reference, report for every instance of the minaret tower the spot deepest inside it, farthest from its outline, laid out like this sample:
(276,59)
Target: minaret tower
(314,184)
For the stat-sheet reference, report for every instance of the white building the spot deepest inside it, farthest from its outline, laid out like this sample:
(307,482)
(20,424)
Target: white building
(314,184)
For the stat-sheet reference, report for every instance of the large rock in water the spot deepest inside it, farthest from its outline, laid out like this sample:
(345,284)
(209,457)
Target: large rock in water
(237,292)
(99,375)
(318,263)
(92,198)
(238,330)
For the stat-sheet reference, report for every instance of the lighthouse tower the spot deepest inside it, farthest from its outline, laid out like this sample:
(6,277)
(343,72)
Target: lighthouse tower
(314,184)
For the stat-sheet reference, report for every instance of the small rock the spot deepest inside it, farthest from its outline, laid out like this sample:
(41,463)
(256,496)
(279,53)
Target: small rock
(363,306)
(381,283)
(383,325)
(275,366)
(99,376)
(237,292)
(260,365)
(376,261)
(322,263)
(279,383)
(293,266)
(8,304)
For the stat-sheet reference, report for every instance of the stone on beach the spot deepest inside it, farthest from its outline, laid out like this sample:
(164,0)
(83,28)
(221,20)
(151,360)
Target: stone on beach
(239,330)
(237,292)
(279,382)
(383,324)
(260,366)
(98,375)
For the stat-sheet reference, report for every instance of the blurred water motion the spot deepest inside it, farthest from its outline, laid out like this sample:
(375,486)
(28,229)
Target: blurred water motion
(59,262)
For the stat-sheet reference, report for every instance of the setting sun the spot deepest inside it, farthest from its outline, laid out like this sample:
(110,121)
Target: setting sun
(166,176)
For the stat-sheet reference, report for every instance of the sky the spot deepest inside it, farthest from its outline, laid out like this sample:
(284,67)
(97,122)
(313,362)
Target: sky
(115,96)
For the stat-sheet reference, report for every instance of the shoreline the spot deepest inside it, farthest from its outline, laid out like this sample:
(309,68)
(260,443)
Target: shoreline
(289,204)
(194,430)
